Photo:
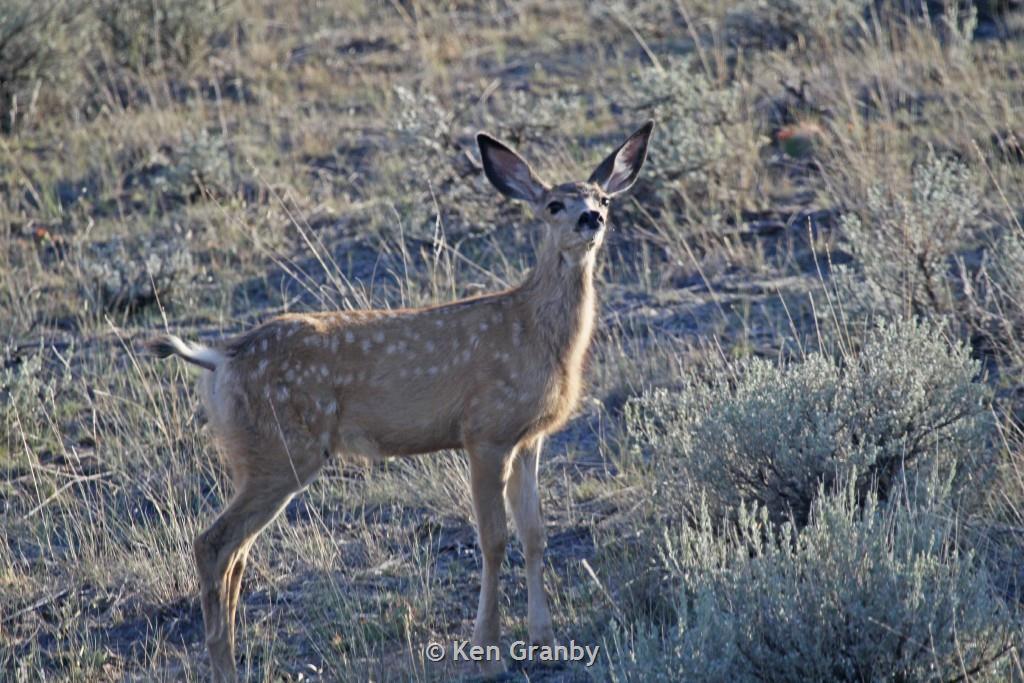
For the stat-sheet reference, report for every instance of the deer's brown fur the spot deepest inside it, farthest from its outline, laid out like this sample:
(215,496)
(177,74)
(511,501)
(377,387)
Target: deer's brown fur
(491,374)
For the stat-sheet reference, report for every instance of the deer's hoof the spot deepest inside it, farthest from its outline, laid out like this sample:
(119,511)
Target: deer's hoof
(542,634)
(492,668)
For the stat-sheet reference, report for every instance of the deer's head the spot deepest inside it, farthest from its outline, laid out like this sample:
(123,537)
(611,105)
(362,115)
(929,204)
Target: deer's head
(575,213)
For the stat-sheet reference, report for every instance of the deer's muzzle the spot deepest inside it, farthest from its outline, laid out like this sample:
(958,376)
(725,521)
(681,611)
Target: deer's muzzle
(592,220)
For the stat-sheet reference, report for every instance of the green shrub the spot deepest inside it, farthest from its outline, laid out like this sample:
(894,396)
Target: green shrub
(996,304)
(430,187)
(772,24)
(126,276)
(905,408)
(436,181)
(199,164)
(702,173)
(696,119)
(36,59)
(778,24)
(905,244)
(51,50)
(21,401)
(1007,268)
(864,592)
(139,34)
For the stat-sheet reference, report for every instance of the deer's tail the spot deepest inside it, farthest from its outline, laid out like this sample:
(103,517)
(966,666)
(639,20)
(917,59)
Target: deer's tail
(169,345)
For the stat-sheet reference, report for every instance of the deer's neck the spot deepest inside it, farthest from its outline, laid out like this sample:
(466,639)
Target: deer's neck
(559,295)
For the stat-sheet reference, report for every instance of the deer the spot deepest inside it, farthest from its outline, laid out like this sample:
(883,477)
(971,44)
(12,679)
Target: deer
(493,374)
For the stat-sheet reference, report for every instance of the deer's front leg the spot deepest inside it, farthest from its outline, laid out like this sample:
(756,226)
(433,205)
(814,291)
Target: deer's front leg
(524,500)
(488,468)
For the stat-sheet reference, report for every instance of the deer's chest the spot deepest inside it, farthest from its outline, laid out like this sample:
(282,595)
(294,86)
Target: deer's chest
(550,400)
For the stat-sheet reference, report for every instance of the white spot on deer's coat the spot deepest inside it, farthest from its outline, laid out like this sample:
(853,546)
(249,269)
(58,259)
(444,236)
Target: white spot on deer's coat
(263,344)
(282,393)
(432,370)
(323,371)
(261,368)
(290,375)
(430,346)
(439,323)
(331,407)
(378,337)
(483,326)
(391,349)
(349,337)
(365,345)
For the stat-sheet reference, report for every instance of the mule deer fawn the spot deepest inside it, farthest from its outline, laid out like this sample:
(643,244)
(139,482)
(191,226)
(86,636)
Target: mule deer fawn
(492,374)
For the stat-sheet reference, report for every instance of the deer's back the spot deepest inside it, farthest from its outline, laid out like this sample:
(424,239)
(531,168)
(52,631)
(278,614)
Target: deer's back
(378,383)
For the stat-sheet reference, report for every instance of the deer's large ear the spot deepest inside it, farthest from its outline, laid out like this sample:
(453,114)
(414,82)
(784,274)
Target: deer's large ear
(618,172)
(508,172)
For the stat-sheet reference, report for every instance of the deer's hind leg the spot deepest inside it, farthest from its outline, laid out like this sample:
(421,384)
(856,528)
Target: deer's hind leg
(221,551)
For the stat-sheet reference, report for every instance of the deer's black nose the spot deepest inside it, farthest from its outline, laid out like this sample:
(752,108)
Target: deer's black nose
(589,219)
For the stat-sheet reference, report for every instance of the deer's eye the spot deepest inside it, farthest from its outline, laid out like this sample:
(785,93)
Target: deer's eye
(555,207)
(605,201)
